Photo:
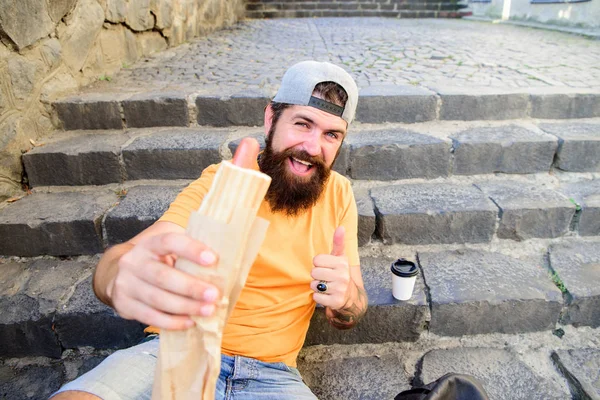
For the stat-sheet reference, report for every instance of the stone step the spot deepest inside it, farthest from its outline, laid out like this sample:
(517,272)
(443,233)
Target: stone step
(86,220)
(51,305)
(370,152)
(135,108)
(470,313)
(516,369)
(427,10)
(317,6)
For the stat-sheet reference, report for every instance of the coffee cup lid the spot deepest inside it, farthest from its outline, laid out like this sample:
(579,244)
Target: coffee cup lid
(404,268)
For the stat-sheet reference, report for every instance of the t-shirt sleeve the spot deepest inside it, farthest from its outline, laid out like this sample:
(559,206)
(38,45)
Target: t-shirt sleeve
(349,220)
(190,198)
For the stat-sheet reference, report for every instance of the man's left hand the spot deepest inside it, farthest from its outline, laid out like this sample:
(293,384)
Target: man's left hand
(332,270)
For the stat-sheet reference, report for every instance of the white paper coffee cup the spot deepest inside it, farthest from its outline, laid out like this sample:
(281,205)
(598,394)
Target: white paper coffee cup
(404,276)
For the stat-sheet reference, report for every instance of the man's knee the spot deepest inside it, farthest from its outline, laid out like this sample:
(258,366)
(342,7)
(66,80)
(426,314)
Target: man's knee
(75,395)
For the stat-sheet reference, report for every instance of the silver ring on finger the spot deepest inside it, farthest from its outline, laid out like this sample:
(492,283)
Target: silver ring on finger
(322,287)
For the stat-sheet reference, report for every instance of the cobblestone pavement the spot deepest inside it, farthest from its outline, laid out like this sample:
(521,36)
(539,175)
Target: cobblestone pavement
(254,54)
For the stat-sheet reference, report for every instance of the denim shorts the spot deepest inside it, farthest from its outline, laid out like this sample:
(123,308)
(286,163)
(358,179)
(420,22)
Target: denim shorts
(129,374)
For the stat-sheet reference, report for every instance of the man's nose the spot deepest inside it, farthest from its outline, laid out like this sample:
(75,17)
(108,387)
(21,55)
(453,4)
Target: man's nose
(312,144)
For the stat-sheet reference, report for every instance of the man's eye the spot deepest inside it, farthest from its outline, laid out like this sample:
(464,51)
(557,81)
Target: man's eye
(333,135)
(302,124)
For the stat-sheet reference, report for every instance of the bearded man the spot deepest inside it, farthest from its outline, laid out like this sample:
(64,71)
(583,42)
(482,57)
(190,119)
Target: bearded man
(309,256)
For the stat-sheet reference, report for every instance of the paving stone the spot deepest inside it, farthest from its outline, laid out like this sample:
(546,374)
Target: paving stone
(386,320)
(433,213)
(30,382)
(85,321)
(503,375)
(481,104)
(509,149)
(587,196)
(579,146)
(30,294)
(57,224)
(397,154)
(245,108)
(140,208)
(474,292)
(176,153)
(156,109)
(529,211)
(581,367)
(395,103)
(80,160)
(565,105)
(89,112)
(366,216)
(368,378)
(578,267)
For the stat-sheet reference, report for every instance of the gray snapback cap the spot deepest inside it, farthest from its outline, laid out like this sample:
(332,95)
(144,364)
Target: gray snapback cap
(300,80)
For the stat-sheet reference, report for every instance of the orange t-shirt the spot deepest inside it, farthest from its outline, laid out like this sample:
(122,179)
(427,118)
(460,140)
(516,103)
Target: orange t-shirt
(271,317)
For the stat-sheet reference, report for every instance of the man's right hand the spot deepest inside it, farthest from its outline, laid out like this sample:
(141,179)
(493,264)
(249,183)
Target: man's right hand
(138,278)
(147,288)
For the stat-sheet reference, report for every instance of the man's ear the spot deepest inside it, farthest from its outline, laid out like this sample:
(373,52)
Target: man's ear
(268,118)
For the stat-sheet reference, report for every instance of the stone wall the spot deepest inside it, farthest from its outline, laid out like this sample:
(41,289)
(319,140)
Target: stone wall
(52,47)
(584,14)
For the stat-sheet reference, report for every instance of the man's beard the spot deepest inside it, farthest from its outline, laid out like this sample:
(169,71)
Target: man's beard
(289,193)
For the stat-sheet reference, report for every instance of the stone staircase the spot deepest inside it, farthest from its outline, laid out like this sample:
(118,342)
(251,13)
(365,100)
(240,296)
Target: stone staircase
(355,8)
(495,193)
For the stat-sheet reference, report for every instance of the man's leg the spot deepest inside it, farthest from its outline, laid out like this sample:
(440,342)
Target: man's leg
(249,379)
(126,374)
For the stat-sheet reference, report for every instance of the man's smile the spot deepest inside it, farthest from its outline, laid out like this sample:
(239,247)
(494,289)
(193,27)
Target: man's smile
(300,167)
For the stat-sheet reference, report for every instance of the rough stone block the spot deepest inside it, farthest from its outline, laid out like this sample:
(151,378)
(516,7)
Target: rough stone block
(55,224)
(30,381)
(84,321)
(342,162)
(386,320)
(433,213)
(172,154)
(156,109)
(78,36)
(397,154)
(587,196)
(508,149)
(481,104)
(59,8)
(25,22)
(529,211)
(30,294)
(503,375)
(246,108)
(374,377)
(396,104)
(475,292)
(89,112)
(79,160)
(366,216)
(565,105)
(141,207)
(577,264)
(581,367)
(579,146)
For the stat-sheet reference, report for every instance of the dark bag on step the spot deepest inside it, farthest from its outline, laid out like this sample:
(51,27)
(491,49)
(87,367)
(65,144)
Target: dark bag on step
(448,387)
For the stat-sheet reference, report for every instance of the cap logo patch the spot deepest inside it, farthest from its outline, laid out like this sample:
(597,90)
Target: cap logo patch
(326,106)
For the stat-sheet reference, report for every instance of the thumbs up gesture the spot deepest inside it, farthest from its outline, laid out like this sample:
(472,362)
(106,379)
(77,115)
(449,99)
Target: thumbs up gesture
(331,275)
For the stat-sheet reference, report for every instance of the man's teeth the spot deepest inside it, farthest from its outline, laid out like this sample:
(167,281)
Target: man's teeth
(302,162)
